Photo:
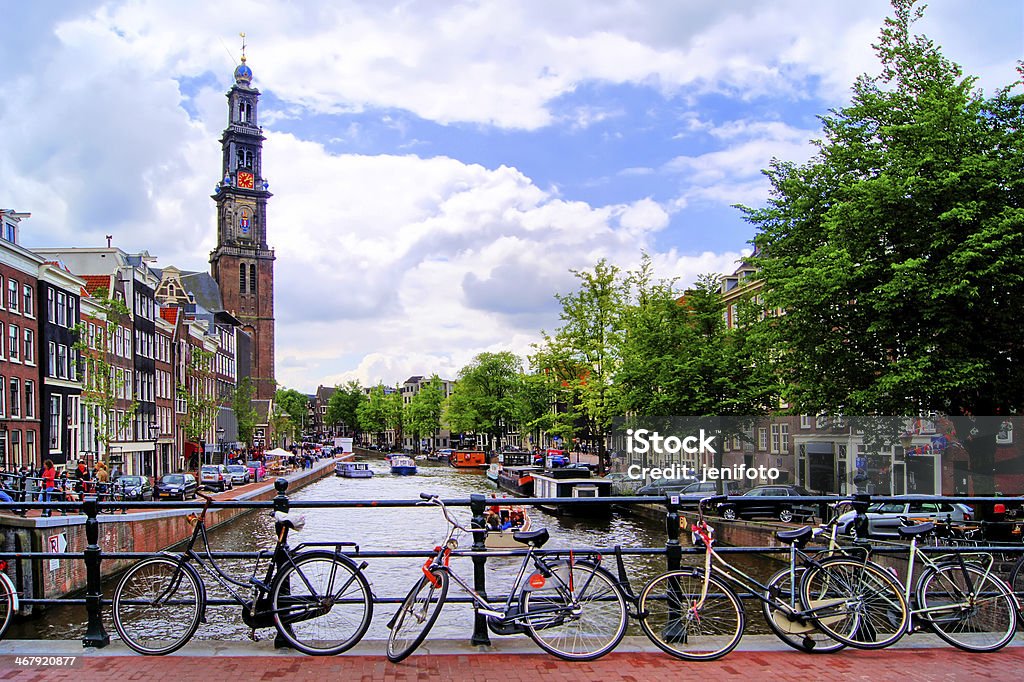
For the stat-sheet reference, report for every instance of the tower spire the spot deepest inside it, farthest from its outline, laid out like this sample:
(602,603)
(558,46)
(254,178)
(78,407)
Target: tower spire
(243,46)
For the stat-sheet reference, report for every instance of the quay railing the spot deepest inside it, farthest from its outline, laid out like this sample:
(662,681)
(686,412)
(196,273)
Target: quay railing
(673,550)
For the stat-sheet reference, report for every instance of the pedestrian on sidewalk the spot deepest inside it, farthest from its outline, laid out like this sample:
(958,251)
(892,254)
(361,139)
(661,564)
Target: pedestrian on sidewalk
(49,477)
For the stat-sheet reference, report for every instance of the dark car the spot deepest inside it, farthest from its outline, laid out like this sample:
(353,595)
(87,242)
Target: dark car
(134,488)
(688,488)
(753,504)
(176,487)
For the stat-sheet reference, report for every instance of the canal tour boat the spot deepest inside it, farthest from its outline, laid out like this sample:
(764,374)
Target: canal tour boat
(353,470)
(573,483)
(518,480)
(517,519)
(402,465)
(468,459)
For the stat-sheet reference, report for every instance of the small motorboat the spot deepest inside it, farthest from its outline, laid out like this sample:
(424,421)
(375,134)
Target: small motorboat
(402,465)
(353,470)
(512,520)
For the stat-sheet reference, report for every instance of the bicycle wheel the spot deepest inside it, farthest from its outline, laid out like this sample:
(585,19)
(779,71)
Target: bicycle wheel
(581,618)
(322,604)
(676,619)
(859,604)
(1017,580)
(801,636)
(968,607)
(7,595)
(416,615)
(157,605)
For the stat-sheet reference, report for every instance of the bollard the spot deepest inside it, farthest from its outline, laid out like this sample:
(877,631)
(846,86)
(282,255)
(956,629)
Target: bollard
(281,504)
(477,503)
(95,635)
(860,522)
(673,550)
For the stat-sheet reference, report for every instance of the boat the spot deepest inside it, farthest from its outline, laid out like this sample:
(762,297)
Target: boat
(519,519)
(468,459)
(402,465)
(353,470)
(518,480)
(493,469)
(573,483)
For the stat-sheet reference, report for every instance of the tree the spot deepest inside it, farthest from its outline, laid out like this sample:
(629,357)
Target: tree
(288,401)
(588,339)
(343,407)
(372,412)
(245,413)
(483,397)
(104,384)
(394,410)
(424,409)
(897,252)
(201,404)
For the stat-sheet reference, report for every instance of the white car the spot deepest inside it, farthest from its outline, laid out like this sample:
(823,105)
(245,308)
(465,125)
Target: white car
(240,475)
(884,517)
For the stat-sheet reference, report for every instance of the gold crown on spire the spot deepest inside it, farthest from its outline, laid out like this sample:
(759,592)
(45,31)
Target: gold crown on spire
(243,47)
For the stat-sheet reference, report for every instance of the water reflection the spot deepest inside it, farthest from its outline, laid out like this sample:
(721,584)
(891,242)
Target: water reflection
(375,528)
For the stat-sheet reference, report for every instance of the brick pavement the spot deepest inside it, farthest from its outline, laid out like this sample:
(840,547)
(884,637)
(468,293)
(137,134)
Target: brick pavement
(906,665)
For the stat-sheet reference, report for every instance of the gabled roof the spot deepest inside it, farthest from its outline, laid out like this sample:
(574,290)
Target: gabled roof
(204,287)
(94,283)
(170,314)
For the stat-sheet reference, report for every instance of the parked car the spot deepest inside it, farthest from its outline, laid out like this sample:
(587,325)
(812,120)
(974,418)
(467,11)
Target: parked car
(176,486)
(239,474)
(215,477)
(257,470)
(134,488)
(687,487)
(884,517)
(752,504)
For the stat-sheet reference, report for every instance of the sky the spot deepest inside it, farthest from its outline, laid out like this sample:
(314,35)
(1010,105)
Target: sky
(438,168)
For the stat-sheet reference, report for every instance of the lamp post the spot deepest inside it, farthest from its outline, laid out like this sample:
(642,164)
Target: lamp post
(220,443)
(154,435)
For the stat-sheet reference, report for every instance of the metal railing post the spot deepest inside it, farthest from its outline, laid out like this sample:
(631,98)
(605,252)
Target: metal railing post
(281,504)
(95,635)
(860,521)
(673,550)
(477,503)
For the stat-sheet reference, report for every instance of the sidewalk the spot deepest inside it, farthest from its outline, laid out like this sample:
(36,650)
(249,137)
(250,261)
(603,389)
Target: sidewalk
(511,660)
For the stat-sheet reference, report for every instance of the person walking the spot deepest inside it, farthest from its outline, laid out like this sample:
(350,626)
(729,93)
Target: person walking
(49,476)
(82,477)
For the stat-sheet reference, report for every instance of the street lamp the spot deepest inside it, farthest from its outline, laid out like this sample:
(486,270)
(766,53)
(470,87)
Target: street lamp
(154,434)
(220,442)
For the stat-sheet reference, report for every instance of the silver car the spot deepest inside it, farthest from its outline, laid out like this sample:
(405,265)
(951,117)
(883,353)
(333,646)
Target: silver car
(239,474)
(884,517)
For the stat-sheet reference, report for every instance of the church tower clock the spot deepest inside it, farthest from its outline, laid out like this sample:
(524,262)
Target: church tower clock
(242,263)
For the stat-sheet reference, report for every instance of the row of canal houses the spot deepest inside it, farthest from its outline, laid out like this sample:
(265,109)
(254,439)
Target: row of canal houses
(51,296)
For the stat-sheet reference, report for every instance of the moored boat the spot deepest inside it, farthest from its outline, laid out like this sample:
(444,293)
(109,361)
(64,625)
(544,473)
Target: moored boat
(353,470)
(518,480)
(574,484)
(493,469)
(468,459)
(402,465)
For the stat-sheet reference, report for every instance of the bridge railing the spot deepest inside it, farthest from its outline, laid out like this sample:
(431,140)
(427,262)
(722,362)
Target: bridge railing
(673,550)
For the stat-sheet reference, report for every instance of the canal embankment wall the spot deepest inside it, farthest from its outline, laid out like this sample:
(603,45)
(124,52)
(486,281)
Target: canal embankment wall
(148,531)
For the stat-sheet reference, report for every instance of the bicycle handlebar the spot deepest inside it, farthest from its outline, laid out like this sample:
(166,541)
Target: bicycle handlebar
(434,499)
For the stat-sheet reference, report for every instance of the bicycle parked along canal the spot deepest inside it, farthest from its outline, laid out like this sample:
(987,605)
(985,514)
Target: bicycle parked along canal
(569,605)
(695,614)
(314,594)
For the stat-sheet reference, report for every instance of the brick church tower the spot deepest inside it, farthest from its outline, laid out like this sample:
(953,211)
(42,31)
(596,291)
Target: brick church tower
(243,264)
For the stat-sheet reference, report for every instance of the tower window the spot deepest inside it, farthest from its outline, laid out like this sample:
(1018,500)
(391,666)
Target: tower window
(245,158)
(252,279)
(241,278)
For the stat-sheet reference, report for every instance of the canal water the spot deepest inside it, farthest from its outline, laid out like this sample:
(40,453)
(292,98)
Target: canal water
(383,528)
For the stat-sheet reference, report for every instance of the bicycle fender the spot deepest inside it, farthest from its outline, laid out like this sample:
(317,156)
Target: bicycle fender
(8,585)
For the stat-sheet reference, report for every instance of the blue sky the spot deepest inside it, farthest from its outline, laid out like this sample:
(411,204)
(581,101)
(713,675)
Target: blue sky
(437,168)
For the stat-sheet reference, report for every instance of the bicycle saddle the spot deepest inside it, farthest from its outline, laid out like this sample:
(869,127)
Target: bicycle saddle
(295,522)
(798,535)
(919,529)
(537,538)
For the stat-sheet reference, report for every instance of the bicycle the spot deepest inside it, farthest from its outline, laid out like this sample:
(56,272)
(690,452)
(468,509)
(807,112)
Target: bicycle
(8,598)
(694,614)
(958,597)
(318,599)
(571,607)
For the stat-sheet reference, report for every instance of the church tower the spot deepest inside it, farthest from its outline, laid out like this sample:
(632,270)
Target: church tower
(242,263)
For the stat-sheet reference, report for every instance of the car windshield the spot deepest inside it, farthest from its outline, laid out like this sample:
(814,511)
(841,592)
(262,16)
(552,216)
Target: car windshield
(173,479)
(237,468)
(131,480)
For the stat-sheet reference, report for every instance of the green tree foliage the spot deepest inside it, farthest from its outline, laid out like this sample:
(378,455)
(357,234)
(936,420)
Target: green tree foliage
(294,405)
(343,407)
(483,399)
(245,413)
(897,252)
(394,407)
(372,412)
(201,404)
(423,411)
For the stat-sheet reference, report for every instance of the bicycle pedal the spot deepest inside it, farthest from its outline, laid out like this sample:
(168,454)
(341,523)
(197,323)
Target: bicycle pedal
(253,636)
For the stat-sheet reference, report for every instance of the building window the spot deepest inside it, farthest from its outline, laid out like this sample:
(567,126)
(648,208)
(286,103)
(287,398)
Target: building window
(50,314)
(3,396)
(12,295)
(62,361)
(51,362)
(15,397)
(1,340)
(72,364)
(776,439)
(252,279)
(241,278)
(27,304)
(13,342)
(762,439)
(784,438)
(805,421)
(30,399)
(30,346)
(55,421)
(16,447)
(30,446)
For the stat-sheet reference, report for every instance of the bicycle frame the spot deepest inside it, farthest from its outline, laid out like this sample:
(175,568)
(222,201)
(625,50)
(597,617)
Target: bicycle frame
(915,553)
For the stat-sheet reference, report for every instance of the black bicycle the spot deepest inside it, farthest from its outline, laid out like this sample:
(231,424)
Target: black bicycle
(318,599)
